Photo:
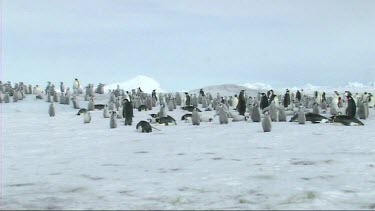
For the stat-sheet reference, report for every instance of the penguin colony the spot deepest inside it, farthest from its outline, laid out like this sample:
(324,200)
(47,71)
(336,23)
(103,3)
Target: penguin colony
(265,108)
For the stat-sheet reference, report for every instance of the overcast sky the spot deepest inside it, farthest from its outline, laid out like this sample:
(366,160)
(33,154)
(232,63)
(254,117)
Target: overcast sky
(189,44)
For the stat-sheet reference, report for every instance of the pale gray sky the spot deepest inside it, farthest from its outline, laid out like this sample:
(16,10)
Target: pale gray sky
(189,44)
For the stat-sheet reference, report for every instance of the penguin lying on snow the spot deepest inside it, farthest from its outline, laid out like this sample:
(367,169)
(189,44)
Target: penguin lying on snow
(81,111)
(314,118)
(166,120)
(190,108)
(144,127)
(142,108)
(346,120)
(99,106)
(185,117)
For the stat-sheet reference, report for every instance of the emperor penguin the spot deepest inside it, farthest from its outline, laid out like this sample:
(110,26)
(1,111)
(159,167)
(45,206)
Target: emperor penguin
(223,114)
(113,120)
(111,106)
(238,118)
(170,105)
(301,116)
(6,98)
(15,98)
(62,98)
(127,112)
(235,101)
(361,111)
(282,114)
(75,103)
(163,111)
(351,109)
(76,85)
(120,112)
(272,111)
(371,100)
(195,118)
(255,115)
(105,112)
(86,117)
(333,109)
(90,105)
(266,122)
(315,108)
(62,87)
(55,97)
(149,103)
(87,97)
(51,109)
(324,105)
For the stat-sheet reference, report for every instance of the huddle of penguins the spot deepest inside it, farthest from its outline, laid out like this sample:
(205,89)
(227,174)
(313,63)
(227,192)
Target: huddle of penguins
(266,108)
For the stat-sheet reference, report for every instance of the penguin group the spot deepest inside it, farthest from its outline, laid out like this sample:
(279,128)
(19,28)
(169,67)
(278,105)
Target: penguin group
(265,108)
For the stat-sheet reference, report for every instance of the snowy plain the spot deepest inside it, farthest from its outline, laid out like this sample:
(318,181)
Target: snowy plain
(61,163)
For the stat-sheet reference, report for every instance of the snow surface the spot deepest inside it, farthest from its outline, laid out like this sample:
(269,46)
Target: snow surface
(61,163)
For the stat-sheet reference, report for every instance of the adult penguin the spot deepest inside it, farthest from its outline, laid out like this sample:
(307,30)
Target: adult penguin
(298,96)
(201,92)
(286,101)
(187,101)
(352,108)
(263,101)
(127,112)
(235,101)
(153,95)
(241,107)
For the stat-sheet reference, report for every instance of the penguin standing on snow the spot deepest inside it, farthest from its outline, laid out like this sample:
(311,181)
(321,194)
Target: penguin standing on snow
(362,112)
(127,112)
(241,107)
(113,120)
(51,110)
(301,116)
(286,101)
(106,112)
(352,108)
(195,118)
(86,117)
(263,101)
(266,122)
(187,101)
(255,115)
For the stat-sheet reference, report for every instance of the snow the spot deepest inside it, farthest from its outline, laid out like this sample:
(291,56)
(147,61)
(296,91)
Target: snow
(146,83)
(228,90)
(257,86)
(61,163)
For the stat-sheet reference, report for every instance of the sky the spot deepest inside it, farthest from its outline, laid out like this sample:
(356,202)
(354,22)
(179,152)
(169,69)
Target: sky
(188,44)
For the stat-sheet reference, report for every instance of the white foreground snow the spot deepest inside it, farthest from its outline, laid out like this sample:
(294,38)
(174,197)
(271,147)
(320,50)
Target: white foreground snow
(61,163)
